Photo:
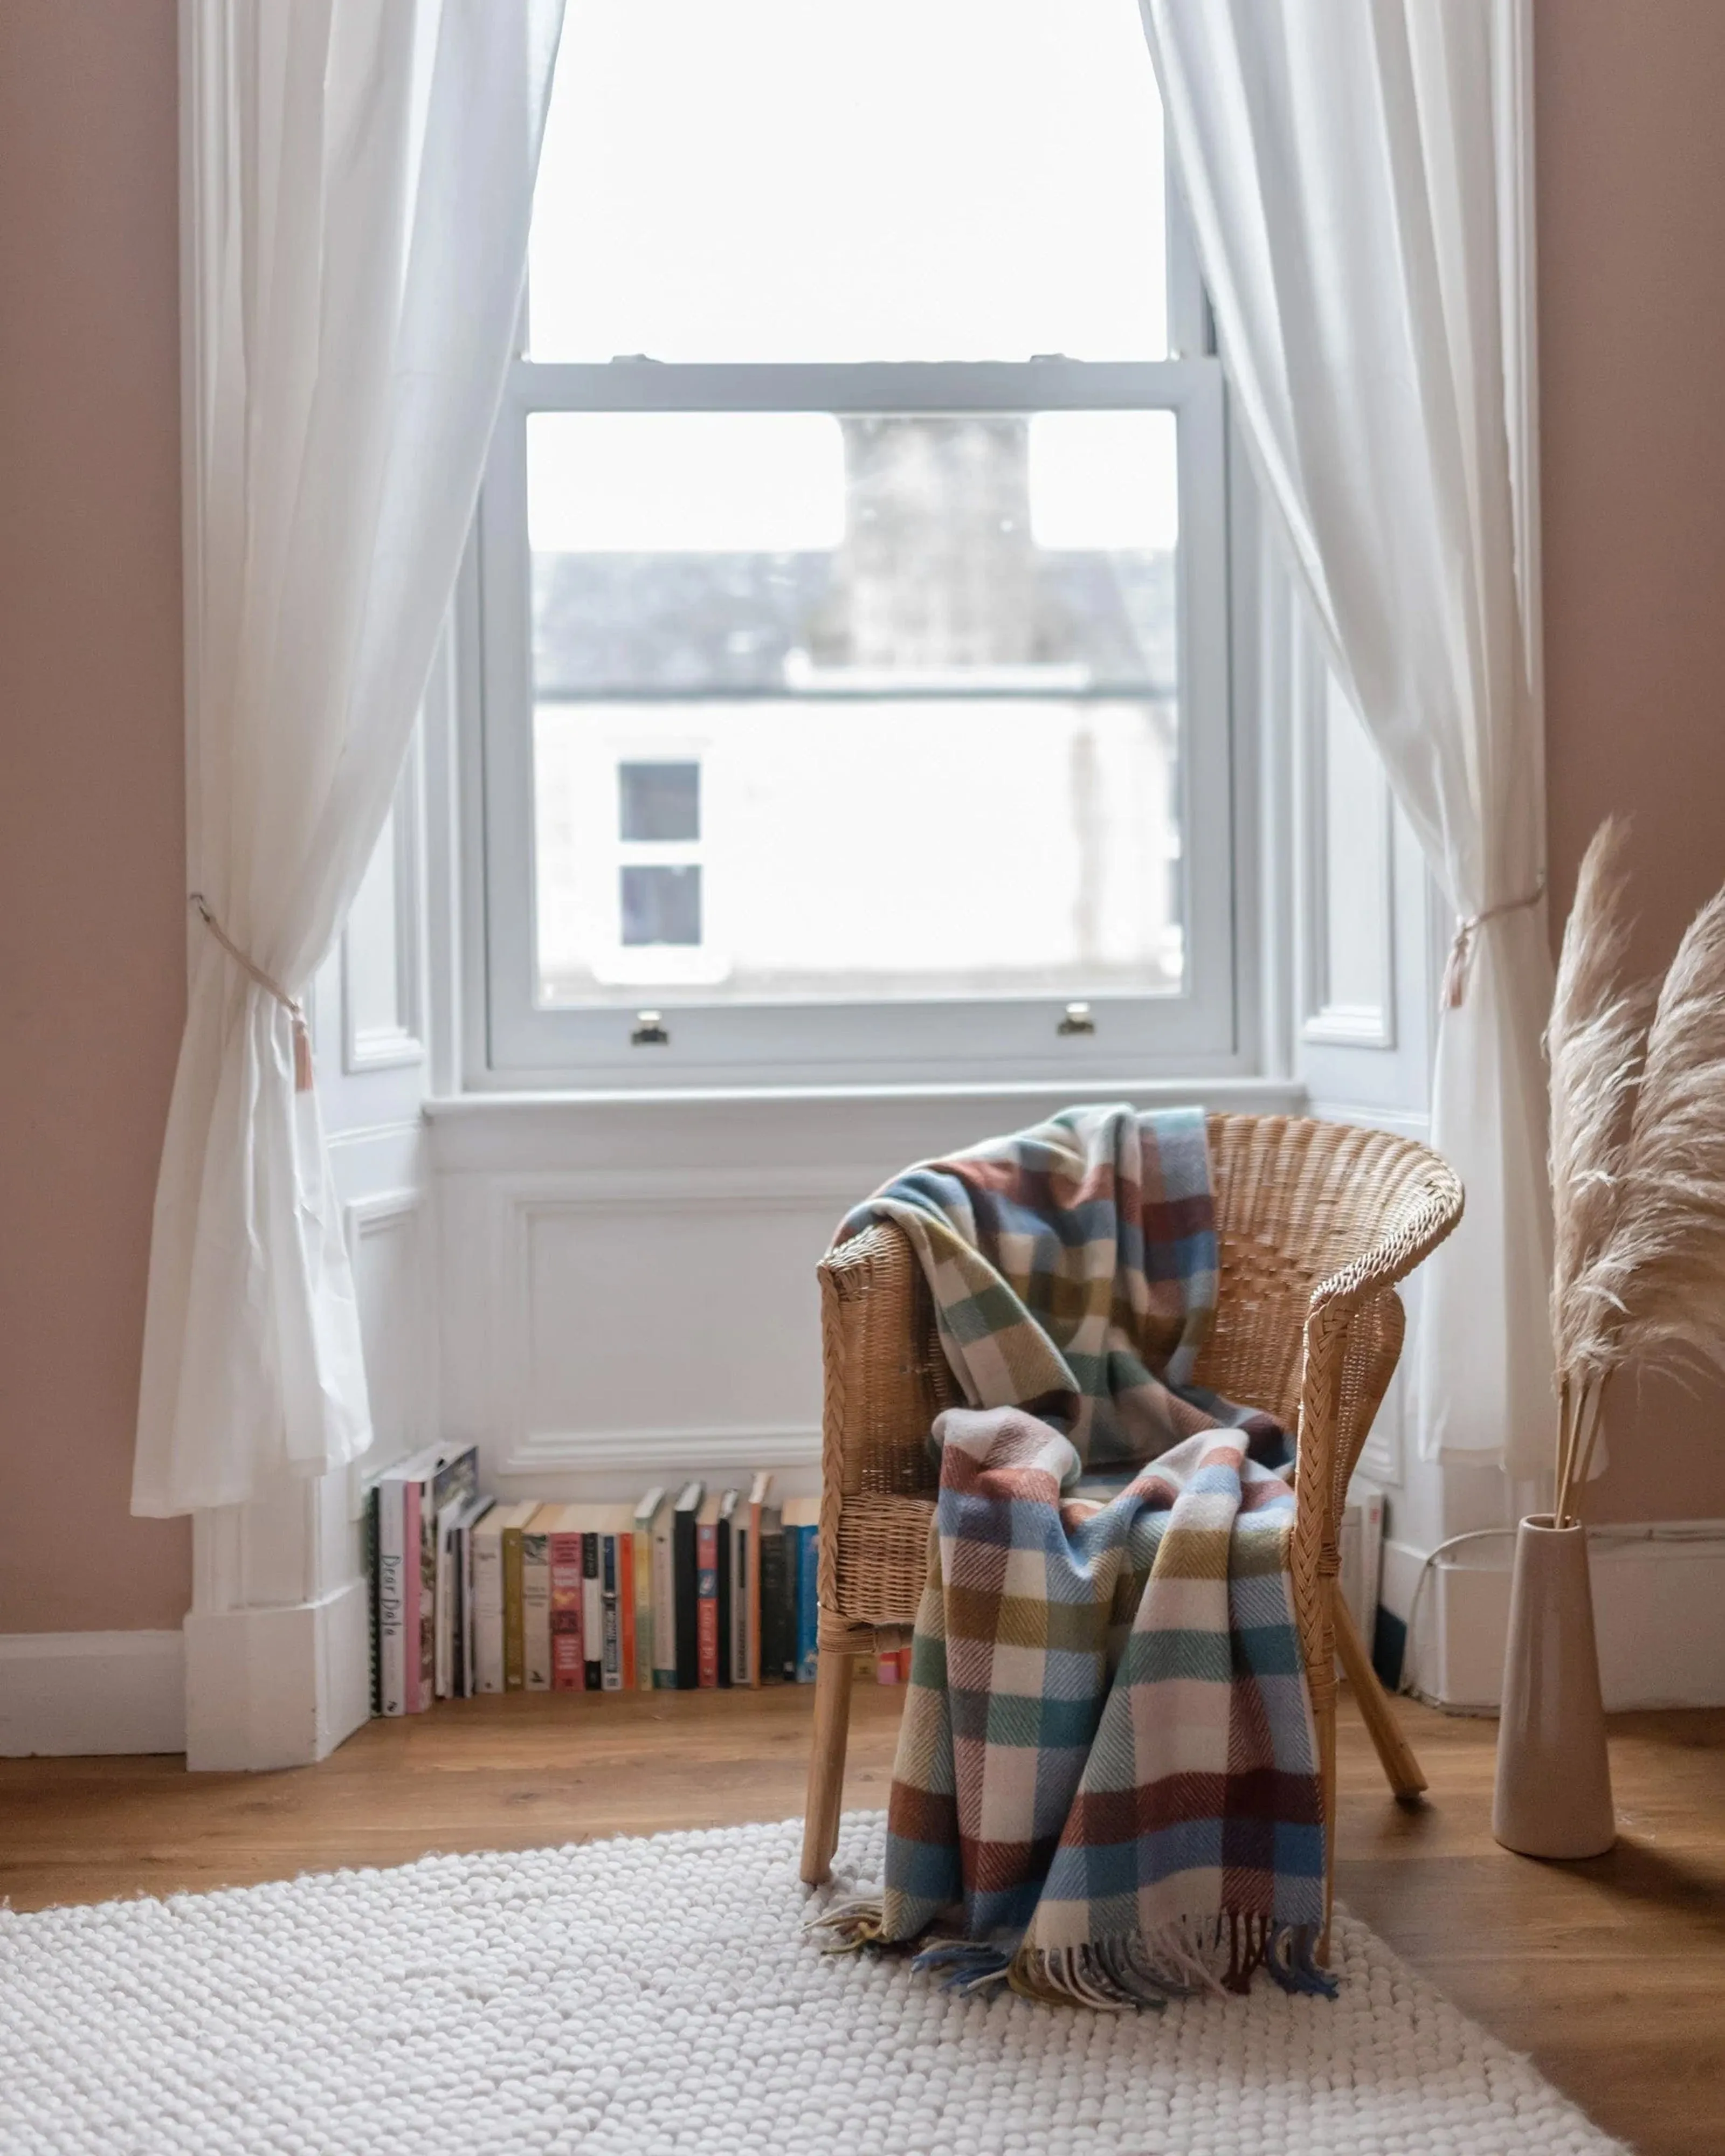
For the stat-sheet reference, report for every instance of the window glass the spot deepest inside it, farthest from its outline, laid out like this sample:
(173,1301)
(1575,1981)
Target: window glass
(660,905)
(659,800)
(900,718)
(765,180)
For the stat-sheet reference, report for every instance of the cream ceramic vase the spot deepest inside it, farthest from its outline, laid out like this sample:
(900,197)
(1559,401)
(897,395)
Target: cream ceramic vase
(1553,1792)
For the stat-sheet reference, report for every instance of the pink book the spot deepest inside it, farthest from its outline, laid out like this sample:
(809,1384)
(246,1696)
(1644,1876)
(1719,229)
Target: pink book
(567,1673)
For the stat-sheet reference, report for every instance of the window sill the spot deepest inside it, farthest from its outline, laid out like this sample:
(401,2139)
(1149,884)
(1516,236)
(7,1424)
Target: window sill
(871,1128)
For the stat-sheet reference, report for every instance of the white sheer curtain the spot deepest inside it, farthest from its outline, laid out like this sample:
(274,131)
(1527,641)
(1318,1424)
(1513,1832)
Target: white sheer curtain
(360,178)
(1357,173)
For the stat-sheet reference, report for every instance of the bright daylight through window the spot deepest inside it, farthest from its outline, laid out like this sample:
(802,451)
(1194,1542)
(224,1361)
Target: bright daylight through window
(854,586)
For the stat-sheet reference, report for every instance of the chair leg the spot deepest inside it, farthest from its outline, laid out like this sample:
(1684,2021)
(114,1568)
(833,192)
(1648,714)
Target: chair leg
(826,1764)
(1394,1750)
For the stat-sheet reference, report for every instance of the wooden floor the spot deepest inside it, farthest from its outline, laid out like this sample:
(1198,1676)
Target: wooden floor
(1612,1974)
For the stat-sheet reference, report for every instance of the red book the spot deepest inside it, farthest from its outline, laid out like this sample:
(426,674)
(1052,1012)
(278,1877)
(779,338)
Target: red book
(706,1591)
(626,1602)
(564,1544)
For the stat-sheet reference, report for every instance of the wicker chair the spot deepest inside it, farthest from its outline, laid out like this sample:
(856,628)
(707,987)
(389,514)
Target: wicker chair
(1317,1222)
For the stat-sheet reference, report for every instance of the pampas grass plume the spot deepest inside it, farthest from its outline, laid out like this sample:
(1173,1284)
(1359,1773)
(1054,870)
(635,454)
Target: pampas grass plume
(1664,1260)
(1637,1155)
(1594,1045)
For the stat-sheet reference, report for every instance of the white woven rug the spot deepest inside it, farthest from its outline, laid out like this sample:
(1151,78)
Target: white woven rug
(629,1997)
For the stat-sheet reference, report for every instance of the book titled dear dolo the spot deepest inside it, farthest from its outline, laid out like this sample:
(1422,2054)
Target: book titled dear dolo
(391,1691)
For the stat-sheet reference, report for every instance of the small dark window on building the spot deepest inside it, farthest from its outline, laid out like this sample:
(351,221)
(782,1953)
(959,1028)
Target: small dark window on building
(659,801)
(661,904)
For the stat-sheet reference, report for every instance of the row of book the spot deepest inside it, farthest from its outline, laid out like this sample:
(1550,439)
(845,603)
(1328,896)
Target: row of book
(680,1592)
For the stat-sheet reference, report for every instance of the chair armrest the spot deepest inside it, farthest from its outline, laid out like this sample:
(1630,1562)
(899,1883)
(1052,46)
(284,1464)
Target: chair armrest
(886,1380)
(1352,1341)
(886,1377)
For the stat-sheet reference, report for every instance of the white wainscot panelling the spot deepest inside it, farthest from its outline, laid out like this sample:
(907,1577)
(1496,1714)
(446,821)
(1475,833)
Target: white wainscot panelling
(276,1643)
(1659,1612)
(1365,985)
(388,1244)
(661,1325)
(1349,972)
(628,1285)
(382,1023)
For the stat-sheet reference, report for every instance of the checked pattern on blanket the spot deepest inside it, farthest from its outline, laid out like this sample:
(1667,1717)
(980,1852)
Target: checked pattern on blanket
(1107,1765)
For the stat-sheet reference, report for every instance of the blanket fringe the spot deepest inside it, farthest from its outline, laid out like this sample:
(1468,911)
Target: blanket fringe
(1111,1976)
(850,1925)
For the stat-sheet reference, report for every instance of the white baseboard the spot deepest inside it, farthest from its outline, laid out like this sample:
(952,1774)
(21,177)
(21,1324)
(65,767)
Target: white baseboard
(68,1694)
(1659,1612)
(270,1688)
(233,1690)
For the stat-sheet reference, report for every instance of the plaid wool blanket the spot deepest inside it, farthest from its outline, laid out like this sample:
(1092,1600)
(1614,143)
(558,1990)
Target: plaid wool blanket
(1107,1764)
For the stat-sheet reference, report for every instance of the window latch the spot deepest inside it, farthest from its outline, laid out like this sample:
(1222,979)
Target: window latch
(648,1031)
(1077,1020)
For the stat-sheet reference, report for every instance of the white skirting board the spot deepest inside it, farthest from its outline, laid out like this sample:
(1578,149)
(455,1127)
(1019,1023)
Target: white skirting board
(1658,1612)
(276,1687)
(66,1693)
(1659,1599)
(241,1689)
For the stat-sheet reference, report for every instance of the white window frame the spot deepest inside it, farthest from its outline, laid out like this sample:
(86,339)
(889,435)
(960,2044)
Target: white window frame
(513,1044)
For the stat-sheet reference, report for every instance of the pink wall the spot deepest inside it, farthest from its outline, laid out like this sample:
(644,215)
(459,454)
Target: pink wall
(1632,330)
(91,816)
(1632,242)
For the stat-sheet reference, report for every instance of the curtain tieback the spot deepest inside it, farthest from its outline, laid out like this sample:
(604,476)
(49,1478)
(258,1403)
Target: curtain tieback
(291,1005)
(1455,988)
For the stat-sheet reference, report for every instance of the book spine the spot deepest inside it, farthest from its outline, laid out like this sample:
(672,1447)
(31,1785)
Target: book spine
(904,1663)
(535,1611)
(373,1593)
(593,1613)
(807,1604)
(611,1656)
(567,1672)
(410,1598)
(455,1572)
(641,1553)
(664,1603)
(721,1645)
(626,1607)
(488,1612)
(706,1590)
(688,1623)
(443,1602)
(515,1661)
(740,1672)
(787,1609)
(392,1604)
(774,1656)
(754,1603)
(464,1612)
(427,1595)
